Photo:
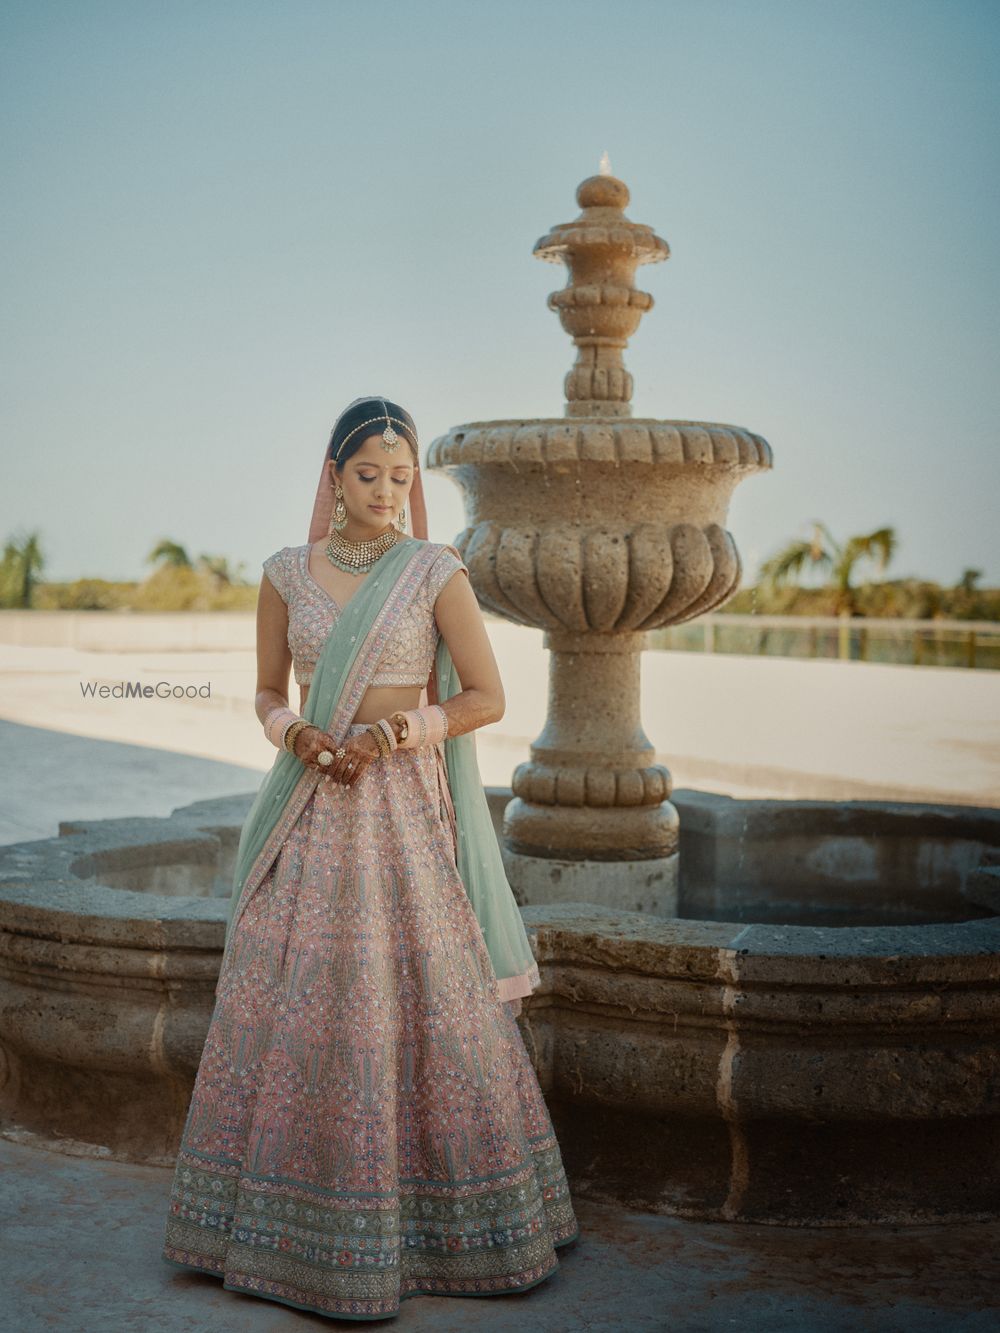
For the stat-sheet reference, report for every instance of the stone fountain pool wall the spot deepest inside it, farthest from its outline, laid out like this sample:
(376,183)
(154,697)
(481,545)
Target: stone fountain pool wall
(817,1041)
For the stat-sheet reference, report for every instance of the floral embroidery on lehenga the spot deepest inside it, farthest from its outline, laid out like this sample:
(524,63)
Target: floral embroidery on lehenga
(366,1124)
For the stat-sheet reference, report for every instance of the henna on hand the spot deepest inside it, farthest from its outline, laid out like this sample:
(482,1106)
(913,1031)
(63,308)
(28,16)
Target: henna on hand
(359,751)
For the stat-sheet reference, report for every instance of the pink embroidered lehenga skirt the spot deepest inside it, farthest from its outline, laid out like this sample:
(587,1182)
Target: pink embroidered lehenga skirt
(366,1124)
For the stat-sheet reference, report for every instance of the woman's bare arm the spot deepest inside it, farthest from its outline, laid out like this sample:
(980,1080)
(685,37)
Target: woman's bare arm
(274,657)
(274,663)
(462,627)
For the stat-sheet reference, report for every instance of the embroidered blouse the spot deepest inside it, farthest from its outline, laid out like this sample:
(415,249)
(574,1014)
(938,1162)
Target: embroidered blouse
(408,657)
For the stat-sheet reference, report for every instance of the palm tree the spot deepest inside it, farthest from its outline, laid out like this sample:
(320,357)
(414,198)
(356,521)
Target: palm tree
(824,552)
(22,560)
(32,563)
(170,553)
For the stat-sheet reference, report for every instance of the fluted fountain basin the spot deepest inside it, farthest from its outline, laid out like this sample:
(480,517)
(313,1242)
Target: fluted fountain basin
(588,523)
(835,1063)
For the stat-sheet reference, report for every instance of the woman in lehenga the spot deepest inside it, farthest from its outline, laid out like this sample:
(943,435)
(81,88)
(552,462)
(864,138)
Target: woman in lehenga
(366,1124)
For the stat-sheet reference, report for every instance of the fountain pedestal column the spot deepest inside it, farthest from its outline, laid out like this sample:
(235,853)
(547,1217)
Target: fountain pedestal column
(590,817)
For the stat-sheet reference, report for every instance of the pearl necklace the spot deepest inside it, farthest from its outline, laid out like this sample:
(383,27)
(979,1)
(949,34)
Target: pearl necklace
(357,557)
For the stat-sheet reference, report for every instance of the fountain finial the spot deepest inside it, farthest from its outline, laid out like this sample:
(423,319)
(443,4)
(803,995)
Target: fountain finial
(600,306)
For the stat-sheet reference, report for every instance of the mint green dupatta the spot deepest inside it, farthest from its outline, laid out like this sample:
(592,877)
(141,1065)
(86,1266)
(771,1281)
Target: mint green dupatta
(478,853)
(349,658)
(347,662)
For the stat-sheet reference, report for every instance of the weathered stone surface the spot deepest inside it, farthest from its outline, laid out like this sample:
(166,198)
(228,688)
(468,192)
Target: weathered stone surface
(773,1073)
(846,863)
(634,886)
(708,1068)
(106,984)
(629,1270)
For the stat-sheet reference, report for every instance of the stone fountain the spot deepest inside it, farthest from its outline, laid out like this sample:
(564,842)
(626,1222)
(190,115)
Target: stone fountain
(596,527)
(757,1011)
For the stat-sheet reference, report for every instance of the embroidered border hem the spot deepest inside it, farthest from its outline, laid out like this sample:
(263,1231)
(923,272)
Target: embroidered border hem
(359,1256)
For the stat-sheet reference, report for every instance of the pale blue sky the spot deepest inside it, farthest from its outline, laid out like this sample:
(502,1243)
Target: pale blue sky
(223,220)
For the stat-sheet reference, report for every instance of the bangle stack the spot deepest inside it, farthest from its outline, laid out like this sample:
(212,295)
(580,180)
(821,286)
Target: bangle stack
(385,737)
(291,731)
(281,726)
(424,726)
(276,723)
(418,726)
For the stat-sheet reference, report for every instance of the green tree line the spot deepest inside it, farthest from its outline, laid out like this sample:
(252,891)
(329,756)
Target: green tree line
(786,583)
(176,582)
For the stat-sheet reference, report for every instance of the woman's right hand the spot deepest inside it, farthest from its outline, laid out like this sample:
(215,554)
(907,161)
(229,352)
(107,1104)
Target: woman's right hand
(310,743)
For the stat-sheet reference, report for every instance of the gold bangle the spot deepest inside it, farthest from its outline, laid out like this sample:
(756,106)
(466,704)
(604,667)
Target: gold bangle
(380,738)
(404,726)
(385,727)
(292,732)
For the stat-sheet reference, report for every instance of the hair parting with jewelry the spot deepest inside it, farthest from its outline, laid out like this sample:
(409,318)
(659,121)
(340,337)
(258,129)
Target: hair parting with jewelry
(373,415)
(379,417)
(348,435)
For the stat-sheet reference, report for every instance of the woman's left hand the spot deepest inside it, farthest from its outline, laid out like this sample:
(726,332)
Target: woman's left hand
(359,751)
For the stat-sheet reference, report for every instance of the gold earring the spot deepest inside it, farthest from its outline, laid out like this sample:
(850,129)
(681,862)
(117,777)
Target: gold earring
(401,525)
(338,518)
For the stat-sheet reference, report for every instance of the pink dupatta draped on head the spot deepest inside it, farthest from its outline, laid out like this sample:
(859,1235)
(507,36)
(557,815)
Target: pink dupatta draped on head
(319,524)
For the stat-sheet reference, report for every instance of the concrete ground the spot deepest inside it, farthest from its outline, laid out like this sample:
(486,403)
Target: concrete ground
(80,1246)
(85,778)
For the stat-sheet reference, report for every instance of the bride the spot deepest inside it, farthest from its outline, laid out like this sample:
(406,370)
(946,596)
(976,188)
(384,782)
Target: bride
(366,1124)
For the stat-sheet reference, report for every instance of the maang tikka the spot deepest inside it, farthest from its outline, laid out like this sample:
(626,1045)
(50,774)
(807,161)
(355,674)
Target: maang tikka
(389,442)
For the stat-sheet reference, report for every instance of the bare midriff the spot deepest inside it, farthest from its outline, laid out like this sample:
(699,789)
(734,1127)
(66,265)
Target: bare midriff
(381,701)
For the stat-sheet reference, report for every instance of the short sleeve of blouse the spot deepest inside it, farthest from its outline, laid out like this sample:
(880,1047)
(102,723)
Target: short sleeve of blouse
(444,566)
(277,571)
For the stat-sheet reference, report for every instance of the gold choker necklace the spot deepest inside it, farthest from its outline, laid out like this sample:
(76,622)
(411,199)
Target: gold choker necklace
(353,557)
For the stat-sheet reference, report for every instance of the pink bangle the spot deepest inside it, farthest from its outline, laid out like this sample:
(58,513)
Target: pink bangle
(275,721)
(424,726)
(416,729)
(437,724)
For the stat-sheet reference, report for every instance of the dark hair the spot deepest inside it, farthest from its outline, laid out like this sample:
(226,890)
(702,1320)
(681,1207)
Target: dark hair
(365,411)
